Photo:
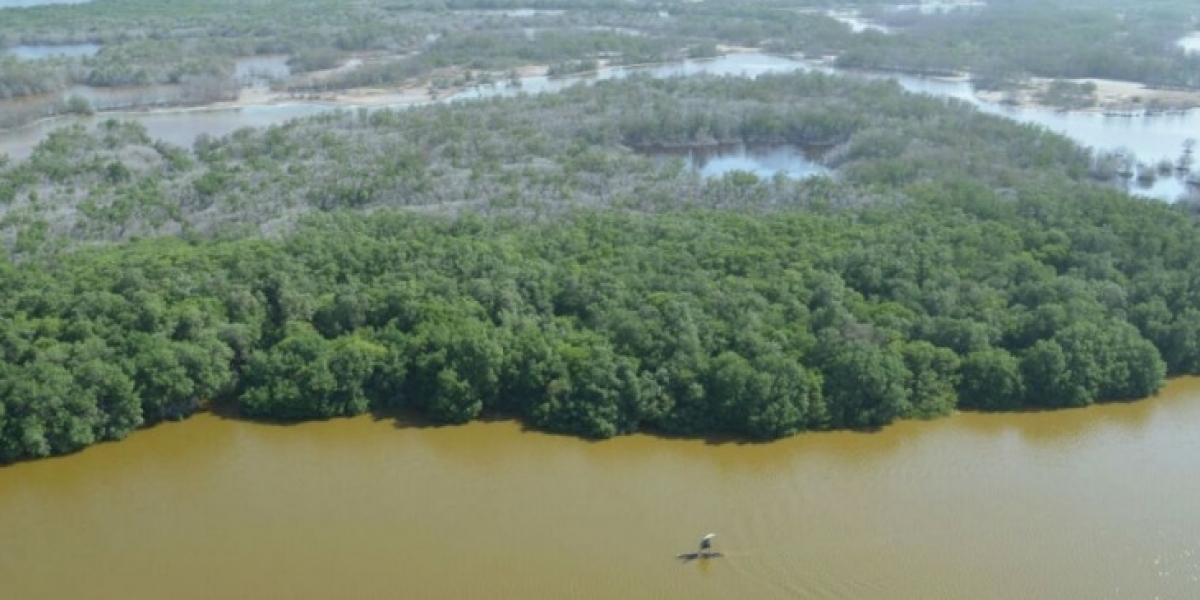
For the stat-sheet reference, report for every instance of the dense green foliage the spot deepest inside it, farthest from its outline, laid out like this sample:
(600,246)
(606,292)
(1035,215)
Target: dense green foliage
(564,277)
(605,323)
(960,260)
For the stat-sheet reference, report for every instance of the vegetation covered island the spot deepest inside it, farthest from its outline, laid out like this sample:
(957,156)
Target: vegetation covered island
(536,257)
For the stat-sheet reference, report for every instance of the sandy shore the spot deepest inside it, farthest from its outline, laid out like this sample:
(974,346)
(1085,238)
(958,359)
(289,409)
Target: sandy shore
(351,97)
(1123,97)
(1111,96)
(410,93)
(1116,97)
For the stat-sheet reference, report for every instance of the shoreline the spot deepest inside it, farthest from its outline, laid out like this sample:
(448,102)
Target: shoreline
(1112,97)
(410,93)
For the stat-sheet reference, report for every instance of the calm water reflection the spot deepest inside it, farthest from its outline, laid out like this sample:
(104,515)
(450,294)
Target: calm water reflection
(1151,138)
(1097,503)
(35,52)
(764,160)
(1190,42)
(180,128)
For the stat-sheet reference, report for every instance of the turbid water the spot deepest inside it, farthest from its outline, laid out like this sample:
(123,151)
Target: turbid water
(1081,504)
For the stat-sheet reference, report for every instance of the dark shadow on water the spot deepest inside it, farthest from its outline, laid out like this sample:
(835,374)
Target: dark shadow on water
(688,557)
(764,159)
(709,439)
(402,417)
(411,418)
(1049,425)
(228,410)
(1035,409)
(733,439)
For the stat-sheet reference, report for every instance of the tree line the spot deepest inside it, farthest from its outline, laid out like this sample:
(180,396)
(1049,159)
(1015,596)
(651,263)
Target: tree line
(518,257)
(601,323)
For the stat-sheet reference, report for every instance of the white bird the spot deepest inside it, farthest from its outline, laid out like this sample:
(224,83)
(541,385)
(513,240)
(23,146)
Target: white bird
(706,541)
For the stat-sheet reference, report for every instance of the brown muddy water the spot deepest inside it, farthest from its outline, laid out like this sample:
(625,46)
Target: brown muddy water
(1095,503)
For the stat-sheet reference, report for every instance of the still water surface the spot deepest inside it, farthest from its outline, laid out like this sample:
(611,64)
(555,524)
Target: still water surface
(1190,43)
(763,160)
(29,3)
(40,51)
(1082,504)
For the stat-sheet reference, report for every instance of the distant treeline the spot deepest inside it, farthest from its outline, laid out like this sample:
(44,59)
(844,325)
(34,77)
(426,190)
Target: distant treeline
(148,43)
(958,261)
(1003,42)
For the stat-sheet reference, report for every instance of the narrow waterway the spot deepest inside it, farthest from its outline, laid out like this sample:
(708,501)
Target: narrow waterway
(41,51)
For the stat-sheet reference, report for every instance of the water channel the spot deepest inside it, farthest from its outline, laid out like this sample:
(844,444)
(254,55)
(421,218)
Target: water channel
(41,51)
(1097,503)
(1150,138)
